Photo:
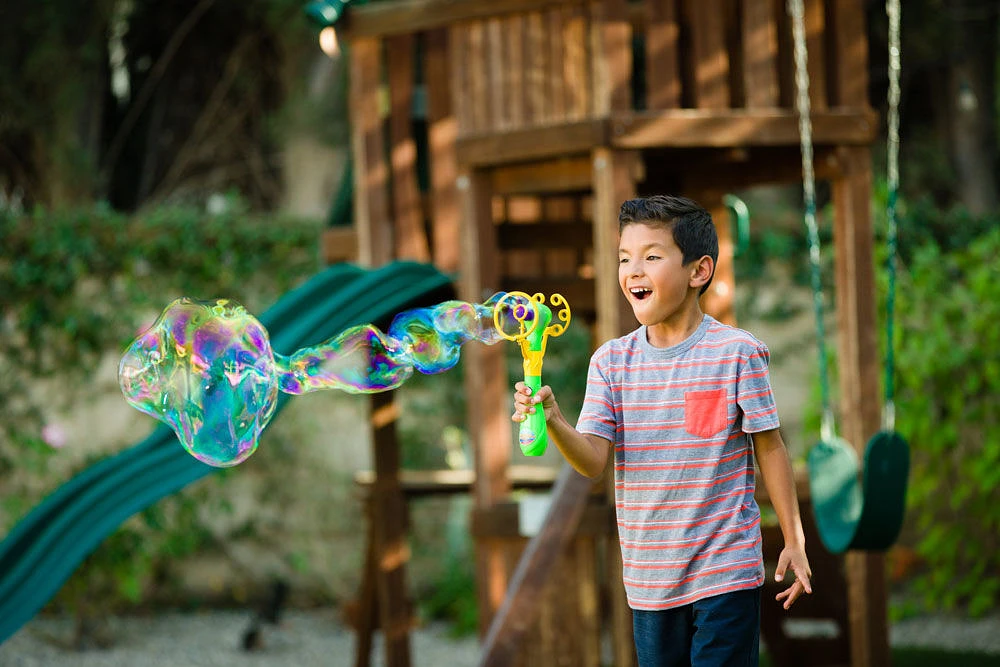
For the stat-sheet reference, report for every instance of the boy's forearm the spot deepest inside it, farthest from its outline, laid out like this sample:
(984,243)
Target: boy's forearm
(587,454)
(779,479)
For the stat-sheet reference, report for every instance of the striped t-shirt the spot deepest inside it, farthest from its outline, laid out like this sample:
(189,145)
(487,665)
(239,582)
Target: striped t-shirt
(678,418)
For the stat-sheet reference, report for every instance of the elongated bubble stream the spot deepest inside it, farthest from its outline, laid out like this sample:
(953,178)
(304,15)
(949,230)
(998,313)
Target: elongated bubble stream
(207,370)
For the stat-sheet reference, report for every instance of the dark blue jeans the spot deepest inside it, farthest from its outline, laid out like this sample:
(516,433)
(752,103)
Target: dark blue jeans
(720,631)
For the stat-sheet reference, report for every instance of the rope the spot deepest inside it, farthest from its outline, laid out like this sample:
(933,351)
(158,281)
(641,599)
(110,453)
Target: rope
(892,9)
(796,11)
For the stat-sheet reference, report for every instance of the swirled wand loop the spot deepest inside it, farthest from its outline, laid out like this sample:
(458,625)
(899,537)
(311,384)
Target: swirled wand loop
(533,320)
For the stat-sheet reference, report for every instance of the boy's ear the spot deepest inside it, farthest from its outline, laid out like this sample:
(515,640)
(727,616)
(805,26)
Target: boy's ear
(702,271)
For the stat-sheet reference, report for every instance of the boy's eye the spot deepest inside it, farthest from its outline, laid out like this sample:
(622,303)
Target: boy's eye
(653,257)
(623,260)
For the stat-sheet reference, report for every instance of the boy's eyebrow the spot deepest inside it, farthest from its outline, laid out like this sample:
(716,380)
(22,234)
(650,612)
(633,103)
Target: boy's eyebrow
(648,246)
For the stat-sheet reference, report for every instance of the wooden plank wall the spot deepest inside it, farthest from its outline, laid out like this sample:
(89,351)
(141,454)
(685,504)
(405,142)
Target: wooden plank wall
(521,70)
(718,54)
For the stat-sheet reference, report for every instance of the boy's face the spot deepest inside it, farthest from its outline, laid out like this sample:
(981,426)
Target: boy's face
(651,273)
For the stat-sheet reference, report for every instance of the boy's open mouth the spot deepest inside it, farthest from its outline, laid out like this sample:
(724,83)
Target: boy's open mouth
(640,293)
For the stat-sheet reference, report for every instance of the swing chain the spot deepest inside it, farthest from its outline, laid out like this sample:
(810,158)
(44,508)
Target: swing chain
(892,10)
(797,13)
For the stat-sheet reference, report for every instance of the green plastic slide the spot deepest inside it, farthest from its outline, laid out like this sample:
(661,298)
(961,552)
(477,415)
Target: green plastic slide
(46,546)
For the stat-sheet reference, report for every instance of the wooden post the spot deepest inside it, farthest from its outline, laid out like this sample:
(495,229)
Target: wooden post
(391,552)
(487,389)
(858,363)
(365,618)
(613,184)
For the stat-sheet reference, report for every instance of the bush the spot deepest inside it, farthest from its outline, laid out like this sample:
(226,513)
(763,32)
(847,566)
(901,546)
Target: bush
(76,285)
(948,381)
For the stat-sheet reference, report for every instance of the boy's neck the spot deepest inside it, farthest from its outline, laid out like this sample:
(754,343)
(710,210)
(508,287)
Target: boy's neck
(677,328)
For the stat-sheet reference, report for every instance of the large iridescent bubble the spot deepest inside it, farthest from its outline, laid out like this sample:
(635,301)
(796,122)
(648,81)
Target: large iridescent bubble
(207,370)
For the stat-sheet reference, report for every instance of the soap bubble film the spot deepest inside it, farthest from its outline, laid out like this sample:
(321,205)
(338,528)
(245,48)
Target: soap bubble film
(207,370)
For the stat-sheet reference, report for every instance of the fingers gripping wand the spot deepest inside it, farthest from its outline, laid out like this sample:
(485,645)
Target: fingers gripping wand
(532,319)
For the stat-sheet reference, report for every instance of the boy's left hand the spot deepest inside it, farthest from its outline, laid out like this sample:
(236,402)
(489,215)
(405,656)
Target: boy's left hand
(794,557)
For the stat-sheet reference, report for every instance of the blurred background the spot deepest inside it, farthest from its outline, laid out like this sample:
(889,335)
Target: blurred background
(150,150)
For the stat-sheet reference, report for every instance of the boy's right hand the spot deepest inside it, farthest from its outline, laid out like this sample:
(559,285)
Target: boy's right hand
(525,403)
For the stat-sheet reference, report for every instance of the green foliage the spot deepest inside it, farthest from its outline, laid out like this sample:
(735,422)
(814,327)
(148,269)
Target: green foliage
(948,380)
(77,286)
(947,361)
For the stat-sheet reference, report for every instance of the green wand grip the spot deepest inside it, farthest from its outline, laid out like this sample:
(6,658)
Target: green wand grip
(532,435)
(533,321)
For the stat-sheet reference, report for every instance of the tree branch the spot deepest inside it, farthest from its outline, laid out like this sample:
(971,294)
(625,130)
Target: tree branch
(148,88)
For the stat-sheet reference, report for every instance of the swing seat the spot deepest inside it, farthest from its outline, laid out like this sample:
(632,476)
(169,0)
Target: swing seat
(853,513)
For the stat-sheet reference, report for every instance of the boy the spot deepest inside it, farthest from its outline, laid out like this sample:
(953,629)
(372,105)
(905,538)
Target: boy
(680,401)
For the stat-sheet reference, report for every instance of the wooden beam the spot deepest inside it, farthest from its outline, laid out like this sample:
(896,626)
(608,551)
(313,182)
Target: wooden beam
(404,16)
(523,601)
(371,173)
(576,235)
(531,144)
(858,364)
(570,174)
(735,127)
(760,166)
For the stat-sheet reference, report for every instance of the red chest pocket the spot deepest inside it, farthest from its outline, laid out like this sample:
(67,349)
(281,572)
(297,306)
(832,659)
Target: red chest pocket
(705,412)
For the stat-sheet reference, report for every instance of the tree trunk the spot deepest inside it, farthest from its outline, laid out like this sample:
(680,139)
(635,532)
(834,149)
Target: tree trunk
(972,96)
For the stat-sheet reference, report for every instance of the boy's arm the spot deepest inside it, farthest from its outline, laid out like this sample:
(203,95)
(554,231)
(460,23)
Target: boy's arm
(588,454)
(776,467)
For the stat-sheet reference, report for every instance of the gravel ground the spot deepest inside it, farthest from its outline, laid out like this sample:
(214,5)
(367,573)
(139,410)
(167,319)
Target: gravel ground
(305,639)
(214,639)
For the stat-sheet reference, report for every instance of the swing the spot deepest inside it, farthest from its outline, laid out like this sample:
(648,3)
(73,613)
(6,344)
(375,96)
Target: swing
(853,513)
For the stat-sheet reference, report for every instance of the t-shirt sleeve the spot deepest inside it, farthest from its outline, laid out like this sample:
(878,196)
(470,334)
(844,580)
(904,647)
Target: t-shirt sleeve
(597,416)
(753,391)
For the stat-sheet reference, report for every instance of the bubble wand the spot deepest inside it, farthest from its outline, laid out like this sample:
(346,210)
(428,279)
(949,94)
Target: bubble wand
(533,318)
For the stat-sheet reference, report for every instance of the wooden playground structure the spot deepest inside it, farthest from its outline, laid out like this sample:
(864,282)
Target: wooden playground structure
(533,121)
